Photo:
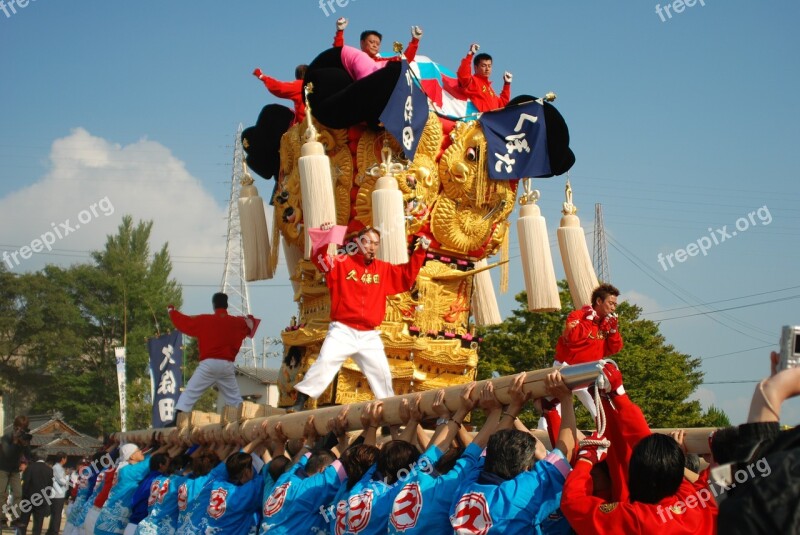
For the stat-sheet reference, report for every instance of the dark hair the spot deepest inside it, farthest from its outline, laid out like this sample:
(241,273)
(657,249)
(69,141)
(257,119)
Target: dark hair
(22,422)
(294,356)
(693,462)
(179,463)
(603,291)
(723,445)
(157,460)
(60,455)
(237,465)
(219,300)
(204,463)
(367,230)
(300,71)
(367,33)
(277,466)
(447,461)
(655,469)
(319,460)
(396,455)
(480,57)
(509,453)
(356,460)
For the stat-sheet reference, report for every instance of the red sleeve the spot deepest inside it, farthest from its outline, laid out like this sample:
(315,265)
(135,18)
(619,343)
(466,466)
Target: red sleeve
(186,324)
(583,511)
(553,420)
(505,94)
(626,426)
(613,344)
(338,39)
(577,327)
(411,49)
(282,89)
(397,279)
(465,72)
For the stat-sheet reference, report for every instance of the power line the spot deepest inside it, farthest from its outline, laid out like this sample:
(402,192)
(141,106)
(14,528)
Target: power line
(723,300)
(624,251)
(778,300)
(736,352)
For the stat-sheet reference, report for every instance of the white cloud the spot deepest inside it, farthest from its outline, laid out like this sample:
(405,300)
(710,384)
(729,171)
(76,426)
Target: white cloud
(98,182)
(705,396)
(646,303)
(145,180)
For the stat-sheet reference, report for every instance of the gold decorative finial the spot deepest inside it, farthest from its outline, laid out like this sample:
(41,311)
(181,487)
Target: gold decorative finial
(568,208)
(311,132)
(550,96)
(247,179)
(529,195)
(397,47)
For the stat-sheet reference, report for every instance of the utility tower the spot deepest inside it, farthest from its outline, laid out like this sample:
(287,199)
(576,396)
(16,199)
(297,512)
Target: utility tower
(600,251)
(233,280)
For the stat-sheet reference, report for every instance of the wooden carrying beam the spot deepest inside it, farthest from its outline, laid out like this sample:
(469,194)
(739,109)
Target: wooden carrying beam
(249,428)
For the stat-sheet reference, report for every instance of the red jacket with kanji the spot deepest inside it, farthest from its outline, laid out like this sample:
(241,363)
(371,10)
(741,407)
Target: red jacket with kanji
(479,88)
(586,338)
(359,291)
(690,510)
(219,336)
(289,90)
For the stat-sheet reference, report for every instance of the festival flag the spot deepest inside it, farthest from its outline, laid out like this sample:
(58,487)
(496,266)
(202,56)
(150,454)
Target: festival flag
(119,355)
(516,139)
(440,84)
(406,112)
(166,375)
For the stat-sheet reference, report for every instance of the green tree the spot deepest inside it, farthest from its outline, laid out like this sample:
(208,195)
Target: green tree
(657,377)
(117,300)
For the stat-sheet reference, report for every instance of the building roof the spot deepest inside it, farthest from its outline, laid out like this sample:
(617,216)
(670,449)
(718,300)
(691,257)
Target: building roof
(265,376)
(51,434)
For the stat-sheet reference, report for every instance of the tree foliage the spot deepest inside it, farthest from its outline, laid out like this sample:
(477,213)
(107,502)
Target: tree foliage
(59,328)
(657,377)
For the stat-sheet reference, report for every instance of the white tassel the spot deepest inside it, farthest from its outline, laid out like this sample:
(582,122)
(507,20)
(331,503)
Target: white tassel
(316,188)
(484,301)
(255,234)
(578,266)
(388,217)
(537,262)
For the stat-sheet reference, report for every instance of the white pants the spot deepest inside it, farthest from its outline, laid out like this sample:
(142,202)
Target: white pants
(583,396)
(91,520)
(210,372)
(366,350)
(130,529)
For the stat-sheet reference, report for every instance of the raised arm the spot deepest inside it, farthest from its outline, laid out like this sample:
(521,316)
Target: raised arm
(770,393)
(186,324)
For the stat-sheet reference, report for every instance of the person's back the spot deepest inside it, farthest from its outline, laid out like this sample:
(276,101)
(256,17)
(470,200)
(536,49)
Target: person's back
(514,493)
(227,504)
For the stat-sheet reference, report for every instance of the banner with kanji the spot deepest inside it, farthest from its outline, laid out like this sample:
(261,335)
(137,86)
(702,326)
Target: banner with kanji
(516,139)
(166,374)
(119,357)
(406,112)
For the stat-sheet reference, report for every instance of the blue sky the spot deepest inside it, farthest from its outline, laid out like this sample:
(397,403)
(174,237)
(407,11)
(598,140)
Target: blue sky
(678,126)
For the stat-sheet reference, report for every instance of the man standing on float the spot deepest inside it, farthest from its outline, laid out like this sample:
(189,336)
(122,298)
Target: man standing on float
(591,333)
(359,284)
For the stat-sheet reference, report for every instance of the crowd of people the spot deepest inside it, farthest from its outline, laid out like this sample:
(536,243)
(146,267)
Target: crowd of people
(620,479)
(474,71)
